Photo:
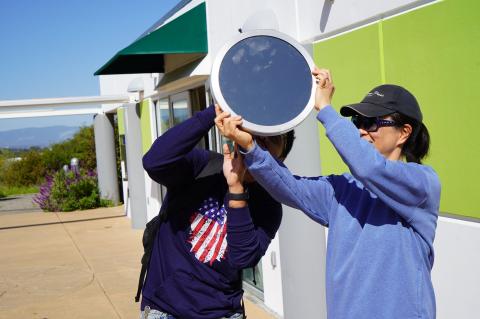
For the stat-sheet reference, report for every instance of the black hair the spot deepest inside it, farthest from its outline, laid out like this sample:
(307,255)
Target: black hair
(288,137)
(418,143)
(284,140)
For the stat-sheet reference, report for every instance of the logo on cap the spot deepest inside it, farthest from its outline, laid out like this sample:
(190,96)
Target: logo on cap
(375,93)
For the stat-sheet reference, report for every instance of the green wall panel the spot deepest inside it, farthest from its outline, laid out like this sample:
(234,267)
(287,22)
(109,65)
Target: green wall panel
(121,121)
(435,53)
(354,59)
(144,108)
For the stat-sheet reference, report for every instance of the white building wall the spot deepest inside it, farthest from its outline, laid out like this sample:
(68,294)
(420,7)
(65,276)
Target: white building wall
(225,17)
(456,270)
(272,277)
(317,19)
(118,84)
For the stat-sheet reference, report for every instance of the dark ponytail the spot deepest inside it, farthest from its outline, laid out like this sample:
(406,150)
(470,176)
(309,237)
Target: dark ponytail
(418,143)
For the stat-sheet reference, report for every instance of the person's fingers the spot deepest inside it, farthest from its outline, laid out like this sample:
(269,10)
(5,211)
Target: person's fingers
(322,83)
(219,119)
(223,115)
(315,71)
(232,124)
(329,75)
(320,75)
(226,152)
(218,110)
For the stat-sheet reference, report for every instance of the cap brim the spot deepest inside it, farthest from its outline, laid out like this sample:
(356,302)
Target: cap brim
(365,109)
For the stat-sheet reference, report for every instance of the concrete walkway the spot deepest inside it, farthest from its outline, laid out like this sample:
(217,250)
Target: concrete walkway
(72,265)
(18,203)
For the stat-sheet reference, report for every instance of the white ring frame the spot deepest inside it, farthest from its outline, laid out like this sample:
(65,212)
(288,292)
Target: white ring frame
(262,130)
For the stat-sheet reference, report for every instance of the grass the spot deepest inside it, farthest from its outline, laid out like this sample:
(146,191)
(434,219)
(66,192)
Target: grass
(17,190)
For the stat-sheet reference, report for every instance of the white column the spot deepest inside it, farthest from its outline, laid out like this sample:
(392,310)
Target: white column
(106,159)
(135,171)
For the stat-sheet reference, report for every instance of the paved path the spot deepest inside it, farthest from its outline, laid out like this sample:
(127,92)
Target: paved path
(18,204)
(82,264)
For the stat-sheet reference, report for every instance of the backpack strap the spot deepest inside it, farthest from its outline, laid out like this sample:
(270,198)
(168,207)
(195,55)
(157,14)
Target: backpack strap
(141,280)
(147,241)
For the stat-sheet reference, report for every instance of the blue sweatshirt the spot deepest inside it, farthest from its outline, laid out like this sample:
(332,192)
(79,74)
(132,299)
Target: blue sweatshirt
(381,218)
(198,254)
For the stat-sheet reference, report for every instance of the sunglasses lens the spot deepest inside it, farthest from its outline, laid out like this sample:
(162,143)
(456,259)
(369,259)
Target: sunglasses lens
(356,121)
(369,124)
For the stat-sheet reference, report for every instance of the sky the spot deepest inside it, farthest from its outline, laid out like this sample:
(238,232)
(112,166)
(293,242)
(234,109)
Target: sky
(51,48)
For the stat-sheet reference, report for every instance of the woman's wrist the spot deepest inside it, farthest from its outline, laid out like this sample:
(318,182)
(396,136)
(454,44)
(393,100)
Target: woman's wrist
(322,104)
(246,145)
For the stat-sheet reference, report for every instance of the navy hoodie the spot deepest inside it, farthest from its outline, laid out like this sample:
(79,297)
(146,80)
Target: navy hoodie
(198,253)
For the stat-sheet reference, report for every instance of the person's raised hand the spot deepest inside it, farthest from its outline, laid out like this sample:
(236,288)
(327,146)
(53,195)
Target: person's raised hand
(233,169)
(325,88)
(229,126)
(219,117)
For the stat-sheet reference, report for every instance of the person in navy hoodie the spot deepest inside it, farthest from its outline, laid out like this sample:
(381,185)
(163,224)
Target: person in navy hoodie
(201,247)
(381,216)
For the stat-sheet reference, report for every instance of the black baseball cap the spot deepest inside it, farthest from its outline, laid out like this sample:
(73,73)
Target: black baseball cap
(384,100)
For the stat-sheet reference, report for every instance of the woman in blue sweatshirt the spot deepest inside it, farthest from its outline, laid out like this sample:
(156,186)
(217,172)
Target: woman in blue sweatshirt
(381,216)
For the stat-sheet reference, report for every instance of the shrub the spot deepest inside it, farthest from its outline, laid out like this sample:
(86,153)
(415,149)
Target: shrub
(25,172)
(68,191)
(34,163)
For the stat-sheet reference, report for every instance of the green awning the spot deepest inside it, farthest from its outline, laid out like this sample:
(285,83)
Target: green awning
(187,34)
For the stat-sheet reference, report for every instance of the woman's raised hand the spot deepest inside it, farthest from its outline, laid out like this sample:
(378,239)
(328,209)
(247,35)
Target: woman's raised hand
(229,127)
(325,88)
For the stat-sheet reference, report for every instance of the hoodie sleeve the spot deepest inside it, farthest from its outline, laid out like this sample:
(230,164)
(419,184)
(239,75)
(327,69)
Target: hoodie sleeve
(173,159)
(250,229)
(313,195)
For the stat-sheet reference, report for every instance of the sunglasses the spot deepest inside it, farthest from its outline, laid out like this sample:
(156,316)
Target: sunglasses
(371,124)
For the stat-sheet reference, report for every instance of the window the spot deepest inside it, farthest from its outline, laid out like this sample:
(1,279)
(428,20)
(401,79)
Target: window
(163,116)
(254,278)
(180,104)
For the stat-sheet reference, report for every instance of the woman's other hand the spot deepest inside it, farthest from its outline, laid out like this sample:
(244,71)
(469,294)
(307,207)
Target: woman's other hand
(325,88)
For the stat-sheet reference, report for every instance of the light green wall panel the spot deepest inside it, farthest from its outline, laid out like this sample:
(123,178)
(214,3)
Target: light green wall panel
(144,108)
(354,59)
(121,121)
(435,53)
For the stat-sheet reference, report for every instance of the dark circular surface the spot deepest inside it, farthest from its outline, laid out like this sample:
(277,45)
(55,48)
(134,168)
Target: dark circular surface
(266,80)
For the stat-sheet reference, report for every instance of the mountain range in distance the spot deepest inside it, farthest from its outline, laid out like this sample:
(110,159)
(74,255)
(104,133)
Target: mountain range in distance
(25,138)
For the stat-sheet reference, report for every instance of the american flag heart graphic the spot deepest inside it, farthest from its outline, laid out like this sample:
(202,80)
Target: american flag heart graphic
(208,231)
